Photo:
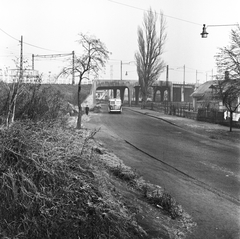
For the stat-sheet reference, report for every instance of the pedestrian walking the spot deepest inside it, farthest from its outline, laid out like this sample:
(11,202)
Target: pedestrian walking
(86,109)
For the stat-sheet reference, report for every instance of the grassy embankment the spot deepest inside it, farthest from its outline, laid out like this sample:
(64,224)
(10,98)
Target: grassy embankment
(57,182)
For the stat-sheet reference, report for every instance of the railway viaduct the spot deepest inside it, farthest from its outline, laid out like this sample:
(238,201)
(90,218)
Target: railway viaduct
(162,90)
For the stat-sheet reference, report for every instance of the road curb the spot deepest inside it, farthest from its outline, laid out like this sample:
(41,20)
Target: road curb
(154,116)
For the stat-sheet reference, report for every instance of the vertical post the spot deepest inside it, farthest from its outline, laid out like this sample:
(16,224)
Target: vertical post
(167,76)
(32,61)
(171,92)
(183,84)
(184,75)
(121,70)
(168,92)
(114,93)
(73,72)
(21,59)
(94,87)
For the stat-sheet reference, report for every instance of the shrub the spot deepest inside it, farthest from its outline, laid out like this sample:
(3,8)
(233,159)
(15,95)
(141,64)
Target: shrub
(124,173)
(36,104)
(162,199)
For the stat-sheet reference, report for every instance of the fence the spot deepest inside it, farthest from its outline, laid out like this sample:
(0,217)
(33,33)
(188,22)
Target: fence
(210,115)
(172,108)
(185,109)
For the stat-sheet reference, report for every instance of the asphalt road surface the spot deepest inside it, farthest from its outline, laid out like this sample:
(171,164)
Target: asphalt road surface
(202,174)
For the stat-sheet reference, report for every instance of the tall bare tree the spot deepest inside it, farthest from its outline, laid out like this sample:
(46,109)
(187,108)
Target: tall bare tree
(228,63)
(94,57)
(150,49)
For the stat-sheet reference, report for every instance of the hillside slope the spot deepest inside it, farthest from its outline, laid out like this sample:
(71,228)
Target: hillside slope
(70,91)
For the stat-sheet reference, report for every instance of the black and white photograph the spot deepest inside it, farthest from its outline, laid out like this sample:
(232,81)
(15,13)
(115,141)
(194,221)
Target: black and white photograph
(119,119)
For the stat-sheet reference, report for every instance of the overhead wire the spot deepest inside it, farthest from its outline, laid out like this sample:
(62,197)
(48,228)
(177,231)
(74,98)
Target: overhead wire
(26,43)
(116,2)
(138,8)
(113,1)
(9,35)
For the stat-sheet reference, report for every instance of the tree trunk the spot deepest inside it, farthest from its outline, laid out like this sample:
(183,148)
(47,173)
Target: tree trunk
(9,105)
(231,120)
(13,108)
(144,101)
(79,120)
(12,104)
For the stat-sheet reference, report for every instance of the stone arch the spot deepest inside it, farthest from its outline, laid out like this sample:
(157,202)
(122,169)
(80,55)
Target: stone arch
(166,95)
(158,96)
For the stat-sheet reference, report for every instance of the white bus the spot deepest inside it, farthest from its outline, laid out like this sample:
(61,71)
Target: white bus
(115,105)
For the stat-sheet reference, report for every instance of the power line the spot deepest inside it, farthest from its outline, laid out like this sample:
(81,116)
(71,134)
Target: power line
(53,55)
(9,35)
(40,47)
(27,43)
(176,18)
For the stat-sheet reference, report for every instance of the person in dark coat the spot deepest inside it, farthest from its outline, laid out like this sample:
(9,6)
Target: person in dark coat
(87,109)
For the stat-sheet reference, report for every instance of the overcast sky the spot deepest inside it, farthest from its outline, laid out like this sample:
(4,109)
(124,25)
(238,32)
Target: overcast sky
(52,27)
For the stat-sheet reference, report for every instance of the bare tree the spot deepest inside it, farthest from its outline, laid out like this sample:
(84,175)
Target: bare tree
(150,49)
(12,92)
(228,91)
(228,63)
(93,59)
(228,58)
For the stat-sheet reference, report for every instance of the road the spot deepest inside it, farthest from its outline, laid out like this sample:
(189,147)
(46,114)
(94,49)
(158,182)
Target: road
(200,173)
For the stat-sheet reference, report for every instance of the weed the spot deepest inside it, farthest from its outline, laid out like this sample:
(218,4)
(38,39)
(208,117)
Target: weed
(124,173)
(159,198)
(162,199)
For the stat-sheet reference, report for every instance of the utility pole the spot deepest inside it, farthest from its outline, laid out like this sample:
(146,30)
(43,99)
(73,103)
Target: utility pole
(167,76)
(121,70)
(73,69)
(182,97)
(168,92)
(21,60)
(32,61)
(184,75)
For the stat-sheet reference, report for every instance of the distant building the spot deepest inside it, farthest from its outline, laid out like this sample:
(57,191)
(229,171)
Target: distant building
(12,75)
(204,97)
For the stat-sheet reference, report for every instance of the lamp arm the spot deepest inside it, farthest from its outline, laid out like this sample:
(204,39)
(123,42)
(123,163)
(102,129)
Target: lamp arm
(225,25)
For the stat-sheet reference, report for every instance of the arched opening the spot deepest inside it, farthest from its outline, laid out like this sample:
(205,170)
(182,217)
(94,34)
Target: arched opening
(165,96)
(158,96)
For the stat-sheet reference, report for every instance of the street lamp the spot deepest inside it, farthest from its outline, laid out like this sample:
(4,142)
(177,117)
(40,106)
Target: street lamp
(127,63)
(204,32)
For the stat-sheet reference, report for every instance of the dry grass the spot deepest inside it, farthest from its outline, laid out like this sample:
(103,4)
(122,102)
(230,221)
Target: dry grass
(49,189)
(163,200)
(154,194)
